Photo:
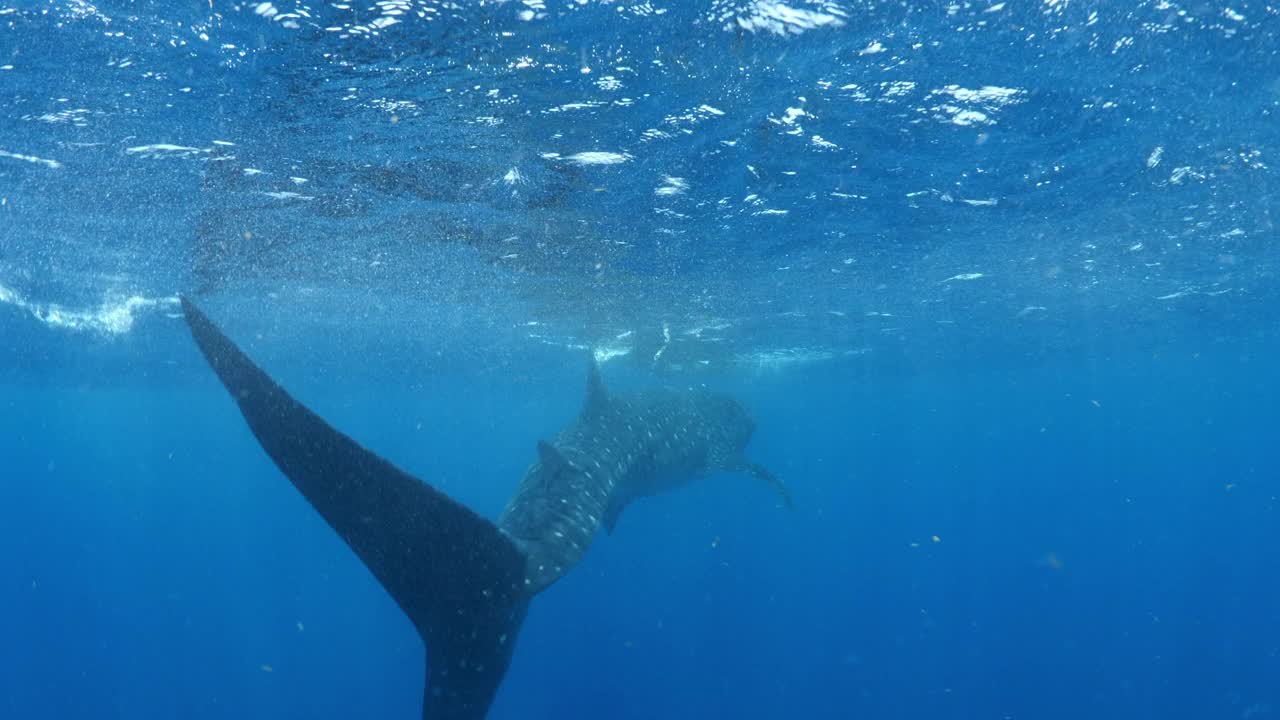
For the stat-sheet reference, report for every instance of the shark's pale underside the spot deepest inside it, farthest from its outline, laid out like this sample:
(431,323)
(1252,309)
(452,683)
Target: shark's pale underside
(466,582)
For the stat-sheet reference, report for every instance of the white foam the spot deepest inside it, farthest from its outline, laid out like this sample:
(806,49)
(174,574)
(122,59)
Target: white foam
(115,316)
(781,19)
(965,118)
(992,94)
(779,358)
(576,106)
(672,186)
(597,158)
(964,276)
(606,353)
(159,150)
(51,164)
(513,177)
(161,147)
(989,97)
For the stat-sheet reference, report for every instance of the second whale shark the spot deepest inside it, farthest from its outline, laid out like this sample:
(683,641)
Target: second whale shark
(463,581)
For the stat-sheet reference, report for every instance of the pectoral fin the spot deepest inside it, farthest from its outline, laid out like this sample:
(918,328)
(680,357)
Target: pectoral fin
(611,515)
(758,471)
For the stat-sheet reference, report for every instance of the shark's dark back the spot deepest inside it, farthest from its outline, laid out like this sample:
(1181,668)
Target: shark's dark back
(720,424)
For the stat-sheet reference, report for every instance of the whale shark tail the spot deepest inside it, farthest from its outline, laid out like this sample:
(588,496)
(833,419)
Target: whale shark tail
(456,575)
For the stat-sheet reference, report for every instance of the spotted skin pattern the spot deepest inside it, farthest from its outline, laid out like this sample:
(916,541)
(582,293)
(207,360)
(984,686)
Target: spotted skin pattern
(621,448)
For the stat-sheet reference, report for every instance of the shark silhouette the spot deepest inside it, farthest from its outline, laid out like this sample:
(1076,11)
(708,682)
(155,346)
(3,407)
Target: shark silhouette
(464,581)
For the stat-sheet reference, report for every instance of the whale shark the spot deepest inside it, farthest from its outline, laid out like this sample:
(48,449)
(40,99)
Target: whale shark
(463,581)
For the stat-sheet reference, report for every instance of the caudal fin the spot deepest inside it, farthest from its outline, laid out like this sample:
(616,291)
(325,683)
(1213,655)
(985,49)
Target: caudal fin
(458,578)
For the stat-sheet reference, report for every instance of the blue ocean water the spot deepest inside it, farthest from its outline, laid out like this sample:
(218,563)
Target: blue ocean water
(996,280)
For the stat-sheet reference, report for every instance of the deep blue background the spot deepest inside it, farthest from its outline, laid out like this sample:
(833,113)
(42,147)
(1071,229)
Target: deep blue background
(1107,536)
(1046,339)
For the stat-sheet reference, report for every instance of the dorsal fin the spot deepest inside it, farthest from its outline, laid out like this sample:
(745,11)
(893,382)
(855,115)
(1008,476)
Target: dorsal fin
(597,397)
(550,457)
